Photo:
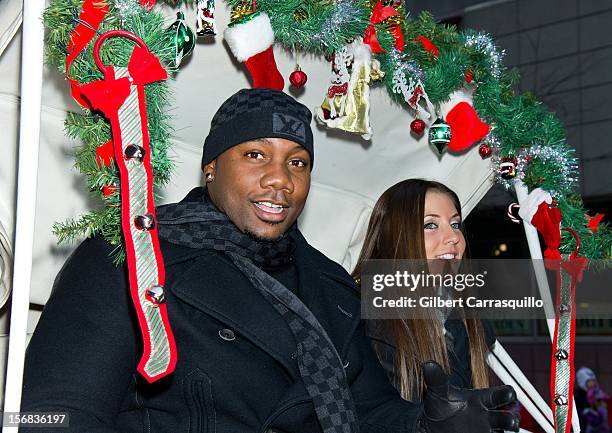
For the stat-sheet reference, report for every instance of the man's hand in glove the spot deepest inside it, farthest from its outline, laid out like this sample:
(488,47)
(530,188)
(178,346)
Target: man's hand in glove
(448,409)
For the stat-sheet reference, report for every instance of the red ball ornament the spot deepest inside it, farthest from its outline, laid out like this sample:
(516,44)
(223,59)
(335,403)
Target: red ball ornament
(417,126)
(484,150)
(298,78)
(109,190)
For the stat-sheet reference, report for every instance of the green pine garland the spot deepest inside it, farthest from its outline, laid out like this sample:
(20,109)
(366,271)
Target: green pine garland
(92,129)
(522,127)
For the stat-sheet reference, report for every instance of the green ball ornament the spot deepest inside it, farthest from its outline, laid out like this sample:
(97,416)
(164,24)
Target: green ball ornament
(439,135)
(183,38)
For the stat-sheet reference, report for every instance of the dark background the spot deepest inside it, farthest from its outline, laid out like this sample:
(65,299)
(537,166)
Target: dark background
(563,51)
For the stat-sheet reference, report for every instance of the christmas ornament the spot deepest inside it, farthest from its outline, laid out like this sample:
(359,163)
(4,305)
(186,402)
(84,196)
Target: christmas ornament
(418,126)
(147,3)
(251,42)
(241,12)
(109,190)
(298,77)
(507,167)
(466,127)
(376,74)
(121,97)
(485,150)
(205,23)
(439,135)
(537,209)
(510,213)
(413,92)
(182,37)
(144,222)
(156,295)
(347,103)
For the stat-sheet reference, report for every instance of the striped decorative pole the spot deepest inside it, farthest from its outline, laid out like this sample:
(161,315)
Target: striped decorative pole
(120,96)
(569,272)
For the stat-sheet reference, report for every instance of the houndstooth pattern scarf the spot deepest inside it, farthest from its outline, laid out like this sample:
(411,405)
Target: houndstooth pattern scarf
(196,223)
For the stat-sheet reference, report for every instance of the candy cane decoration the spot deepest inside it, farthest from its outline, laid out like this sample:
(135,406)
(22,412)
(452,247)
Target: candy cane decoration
(120,96)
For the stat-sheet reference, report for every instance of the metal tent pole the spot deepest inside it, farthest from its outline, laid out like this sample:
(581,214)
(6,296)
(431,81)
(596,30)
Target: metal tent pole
(29,135)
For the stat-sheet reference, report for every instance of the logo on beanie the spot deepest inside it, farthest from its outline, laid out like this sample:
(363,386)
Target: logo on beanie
(289,125)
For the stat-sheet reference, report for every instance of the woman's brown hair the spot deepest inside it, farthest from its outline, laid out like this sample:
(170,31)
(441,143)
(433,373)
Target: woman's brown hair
(395,232)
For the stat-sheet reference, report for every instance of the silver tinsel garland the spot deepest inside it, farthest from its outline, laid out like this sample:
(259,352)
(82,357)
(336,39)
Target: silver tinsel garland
(560,156)
(127,8)
(344,12)
(485,44)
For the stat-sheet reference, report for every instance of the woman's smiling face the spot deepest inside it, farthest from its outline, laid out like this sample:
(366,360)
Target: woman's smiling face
(442,227)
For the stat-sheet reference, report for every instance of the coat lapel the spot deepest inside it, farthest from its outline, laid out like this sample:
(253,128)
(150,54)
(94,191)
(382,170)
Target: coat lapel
(216,287)
(330,293)
(213,285)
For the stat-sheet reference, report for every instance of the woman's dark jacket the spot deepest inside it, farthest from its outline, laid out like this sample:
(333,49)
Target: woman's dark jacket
(457,343)
(236,370)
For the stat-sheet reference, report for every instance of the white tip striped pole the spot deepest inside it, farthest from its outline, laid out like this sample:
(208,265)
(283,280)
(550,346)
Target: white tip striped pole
(29,135)
(510,374)
(535,249)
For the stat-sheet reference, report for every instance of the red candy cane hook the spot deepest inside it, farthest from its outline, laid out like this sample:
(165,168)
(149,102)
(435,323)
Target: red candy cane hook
(111,34)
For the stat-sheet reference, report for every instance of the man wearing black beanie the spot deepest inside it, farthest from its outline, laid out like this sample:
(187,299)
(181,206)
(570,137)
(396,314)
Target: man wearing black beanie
(267,328)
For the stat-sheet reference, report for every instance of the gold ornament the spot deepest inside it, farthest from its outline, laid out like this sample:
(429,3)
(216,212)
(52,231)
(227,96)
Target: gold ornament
(241,11)
(347,103)
(376,73)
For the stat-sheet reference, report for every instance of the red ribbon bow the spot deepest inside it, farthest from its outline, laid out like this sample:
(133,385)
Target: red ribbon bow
(547,220)
(379,14)
(109,94)
(593,222)
(574,265)
(428,45)
(339,89)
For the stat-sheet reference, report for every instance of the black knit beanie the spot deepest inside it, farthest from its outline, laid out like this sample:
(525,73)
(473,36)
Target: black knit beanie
(258,113)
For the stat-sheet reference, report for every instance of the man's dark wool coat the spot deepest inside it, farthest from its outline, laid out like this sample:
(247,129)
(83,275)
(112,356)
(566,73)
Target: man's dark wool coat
(237,370)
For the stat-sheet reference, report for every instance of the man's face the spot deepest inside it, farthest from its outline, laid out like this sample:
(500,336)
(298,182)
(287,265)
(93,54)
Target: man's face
(261,185)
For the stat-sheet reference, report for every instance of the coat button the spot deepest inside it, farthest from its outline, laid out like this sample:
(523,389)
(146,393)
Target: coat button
(227,334)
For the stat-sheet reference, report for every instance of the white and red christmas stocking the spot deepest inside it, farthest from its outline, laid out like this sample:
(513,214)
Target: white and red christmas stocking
(538,210)
(251,42)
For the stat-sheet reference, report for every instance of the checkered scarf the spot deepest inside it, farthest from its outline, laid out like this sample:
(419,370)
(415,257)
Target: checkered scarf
(199,224)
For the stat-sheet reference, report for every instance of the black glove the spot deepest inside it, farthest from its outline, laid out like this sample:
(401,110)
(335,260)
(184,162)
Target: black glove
(448,409)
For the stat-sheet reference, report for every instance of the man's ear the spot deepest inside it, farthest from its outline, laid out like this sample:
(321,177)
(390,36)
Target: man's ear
(209,171)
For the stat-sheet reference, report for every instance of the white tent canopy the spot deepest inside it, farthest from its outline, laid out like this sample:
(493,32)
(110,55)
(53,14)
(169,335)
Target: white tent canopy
(349,173)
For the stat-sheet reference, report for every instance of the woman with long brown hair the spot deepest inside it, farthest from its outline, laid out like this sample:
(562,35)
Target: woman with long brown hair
(421,219)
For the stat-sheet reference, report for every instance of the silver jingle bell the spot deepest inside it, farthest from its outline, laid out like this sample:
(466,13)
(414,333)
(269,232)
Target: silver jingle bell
(561,400)
(134,151)
(155,294)
(561,354)
(564,308)
(144,222)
